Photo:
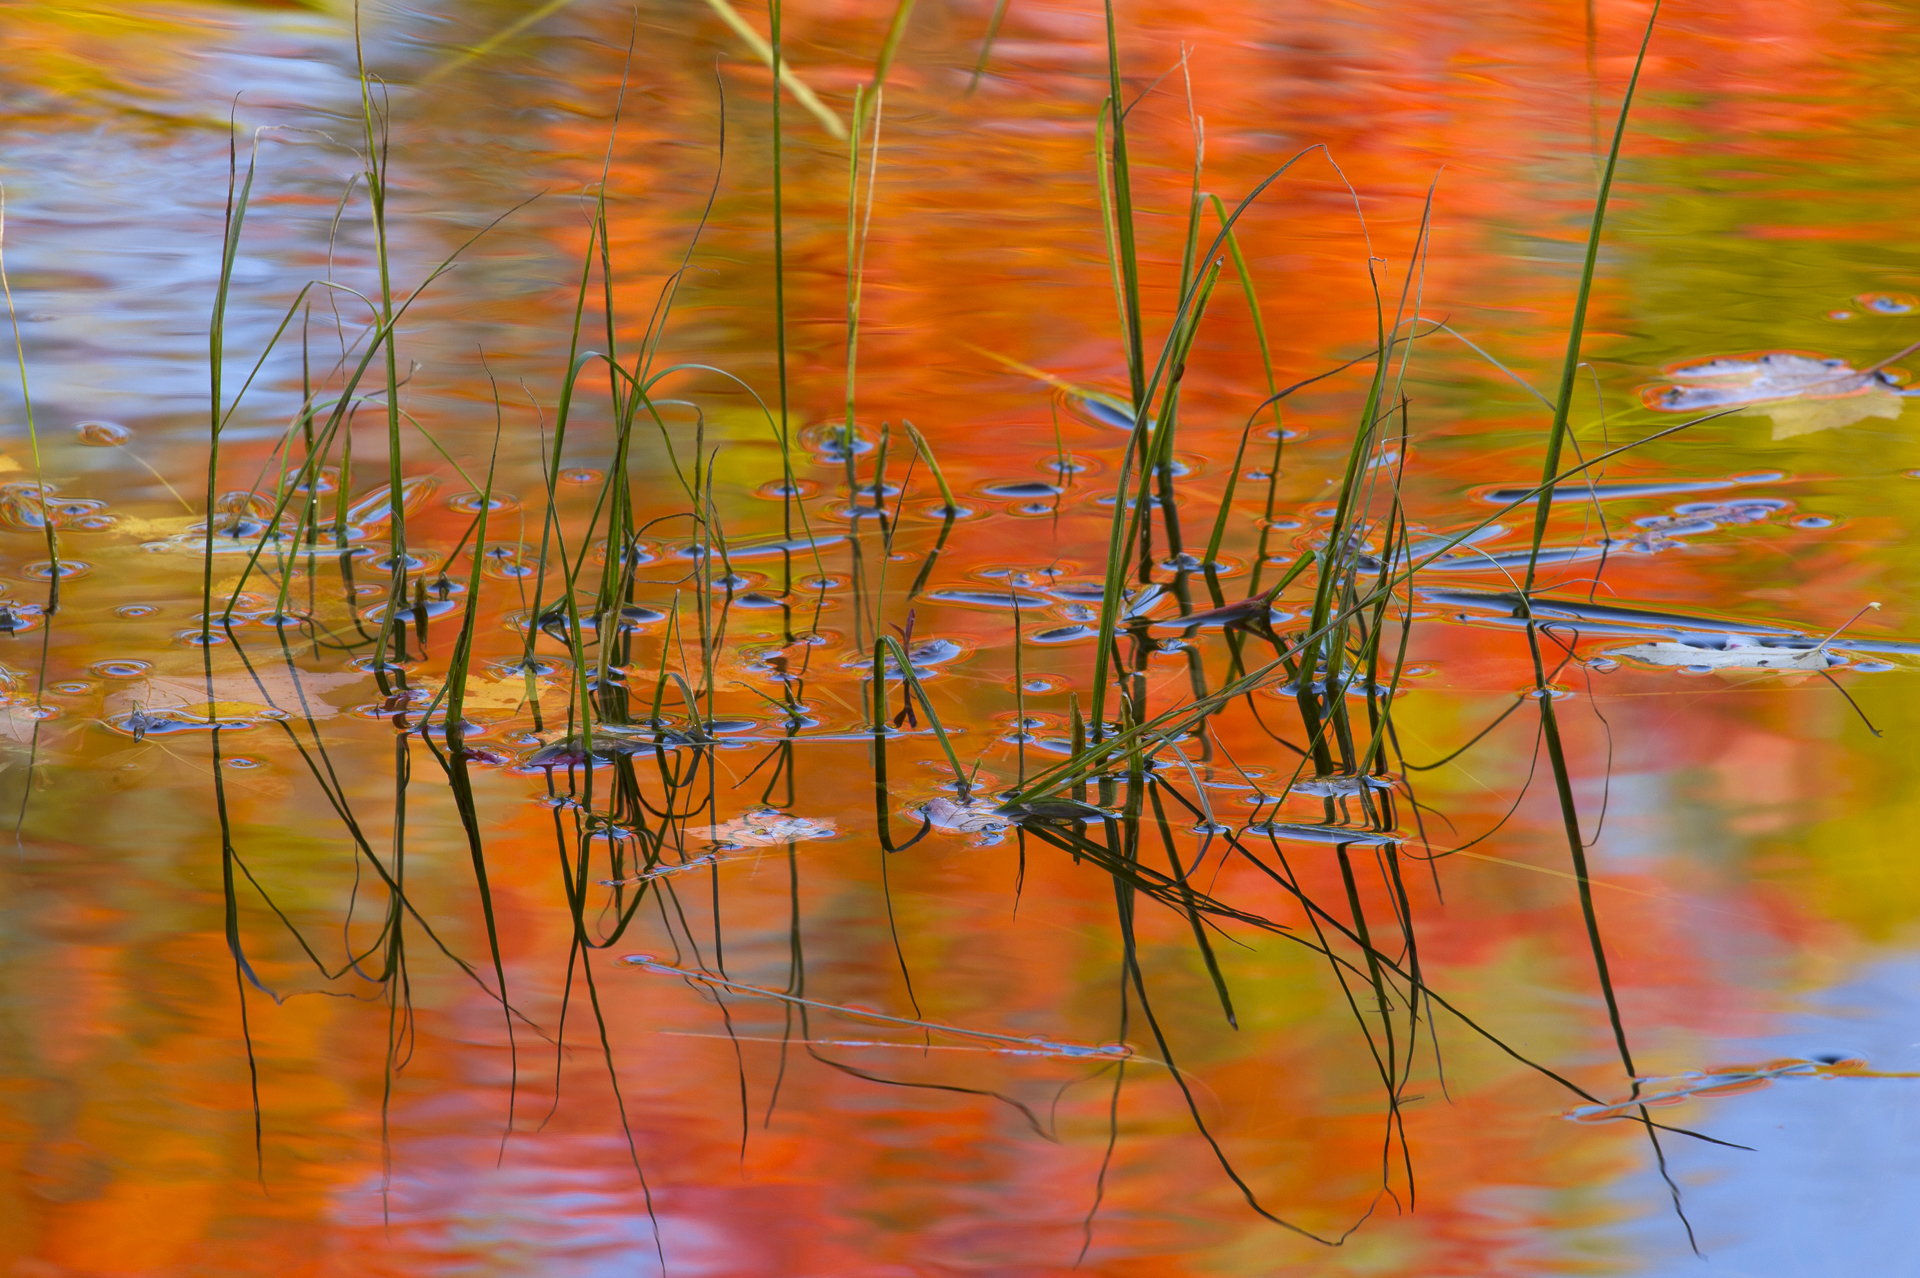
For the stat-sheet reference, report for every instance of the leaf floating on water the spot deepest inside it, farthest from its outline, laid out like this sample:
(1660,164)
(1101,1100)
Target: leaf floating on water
(980,817)
(1584,490)
(1801,393)
(769,829)
(1804,417)
(102,434)
(1701,656)
(1729,1080)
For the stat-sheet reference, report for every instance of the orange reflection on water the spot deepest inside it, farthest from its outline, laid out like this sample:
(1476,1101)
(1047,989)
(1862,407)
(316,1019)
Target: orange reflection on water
(130,1102)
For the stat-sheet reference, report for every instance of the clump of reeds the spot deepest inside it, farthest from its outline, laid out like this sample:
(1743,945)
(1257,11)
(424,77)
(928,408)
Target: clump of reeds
(629,759)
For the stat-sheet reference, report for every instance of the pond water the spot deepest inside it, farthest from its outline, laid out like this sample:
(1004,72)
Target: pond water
(783,997)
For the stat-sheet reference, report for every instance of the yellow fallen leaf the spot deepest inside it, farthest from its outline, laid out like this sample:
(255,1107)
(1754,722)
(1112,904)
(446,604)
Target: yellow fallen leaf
(1806,416)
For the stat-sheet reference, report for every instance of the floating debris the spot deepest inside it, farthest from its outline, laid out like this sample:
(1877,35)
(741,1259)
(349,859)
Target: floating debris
(922,654)
(1700,654)
(1034,1045)
(1581,491)
(1638,622)
(1026,488)
(102,434)
(140,724)
(1061,812)
(1521,558)
(1064,634)
(1581,610)
(610,742)
(980,817)
(1245,615)
(1339,834)
(1342,784)
(974,597)
(1435,544)
(1888,303)
(835,442)
(376,506)
(760,549)
(1691,518)
(471,503)
(666,869)
(1727,1080)
(1802,393)
(768,828)
(508,560)
(29,507)
(1103,410)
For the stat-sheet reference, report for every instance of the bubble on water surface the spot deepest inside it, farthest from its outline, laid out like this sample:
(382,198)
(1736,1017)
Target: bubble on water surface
(1221,567)
(1813,521)
(102,434)
(126,669)
(71,688)
(1888,303)
(1021,488)
(65,569)
(1104,411)
(411,562)
(832,442)
(940,512)
(240,761)
(516,669)
(300,480)
(471,503)
(133,612)
(508,560)
(781,489)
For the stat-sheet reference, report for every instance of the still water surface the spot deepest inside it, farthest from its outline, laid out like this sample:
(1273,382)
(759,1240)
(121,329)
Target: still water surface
(1751,835)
